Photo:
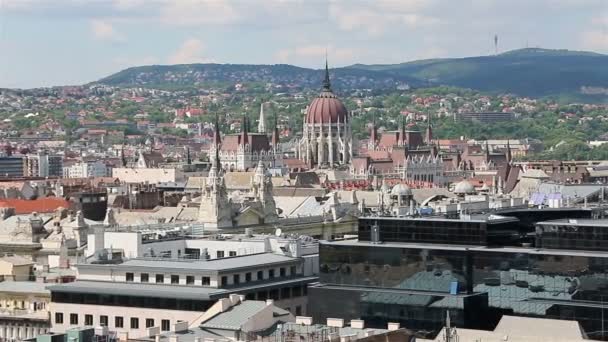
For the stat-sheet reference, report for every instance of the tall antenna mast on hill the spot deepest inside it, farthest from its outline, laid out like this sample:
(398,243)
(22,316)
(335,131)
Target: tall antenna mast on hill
(495,45)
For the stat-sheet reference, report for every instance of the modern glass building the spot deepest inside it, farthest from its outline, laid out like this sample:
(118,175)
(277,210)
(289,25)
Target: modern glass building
(414,270)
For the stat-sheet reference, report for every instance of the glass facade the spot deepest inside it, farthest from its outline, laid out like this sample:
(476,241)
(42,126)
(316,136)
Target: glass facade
(416,284)
(131,301)
(449,231)
(572,235)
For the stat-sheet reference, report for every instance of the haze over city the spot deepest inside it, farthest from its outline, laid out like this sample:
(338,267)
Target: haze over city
(65,42)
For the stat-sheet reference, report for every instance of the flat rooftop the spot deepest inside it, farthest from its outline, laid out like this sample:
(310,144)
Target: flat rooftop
(576,222)
(455,247)
(165,290)
(215,265)
(30,287)
(480,218)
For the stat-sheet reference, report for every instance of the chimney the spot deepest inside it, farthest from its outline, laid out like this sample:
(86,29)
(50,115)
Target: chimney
(393,326)
(335,322)
(303,320)
(357,324)
(234,298)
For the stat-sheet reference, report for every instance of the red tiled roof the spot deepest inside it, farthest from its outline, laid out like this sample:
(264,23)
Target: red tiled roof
(43,205)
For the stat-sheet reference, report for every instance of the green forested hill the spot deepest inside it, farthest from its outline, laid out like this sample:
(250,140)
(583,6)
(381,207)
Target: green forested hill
(527,72)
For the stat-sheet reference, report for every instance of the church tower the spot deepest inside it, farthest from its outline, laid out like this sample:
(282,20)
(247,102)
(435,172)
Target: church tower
(261,188)
(216,209)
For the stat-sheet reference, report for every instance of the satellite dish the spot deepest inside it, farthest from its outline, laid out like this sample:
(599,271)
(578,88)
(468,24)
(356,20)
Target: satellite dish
(278,232)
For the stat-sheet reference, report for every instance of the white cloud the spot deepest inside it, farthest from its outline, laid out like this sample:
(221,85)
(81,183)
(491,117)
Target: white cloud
(376,18)
(314,52)
(191,51)
(103,30)
(126,5)
(596,40)
(125,62)
(198,12)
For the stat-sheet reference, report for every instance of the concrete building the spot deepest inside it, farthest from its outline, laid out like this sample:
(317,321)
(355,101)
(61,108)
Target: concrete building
(485,117)
(11,166)
(43,165)
(517,329)
(23,310)
(87,169)
(140,293)
(13,267)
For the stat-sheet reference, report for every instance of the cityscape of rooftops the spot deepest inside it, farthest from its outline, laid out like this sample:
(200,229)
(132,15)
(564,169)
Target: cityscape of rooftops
(303,171)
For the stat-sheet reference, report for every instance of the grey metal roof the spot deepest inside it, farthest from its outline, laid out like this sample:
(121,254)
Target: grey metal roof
(223,264)
(236,316)
(166,290)
(23,287)
(138,289)
(256,261)
(576,222)
(455,247)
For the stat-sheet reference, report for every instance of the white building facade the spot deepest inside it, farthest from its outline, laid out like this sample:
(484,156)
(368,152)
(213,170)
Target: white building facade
(87,169)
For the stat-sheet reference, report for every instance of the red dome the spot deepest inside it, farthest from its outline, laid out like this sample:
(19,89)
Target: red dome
(326,108)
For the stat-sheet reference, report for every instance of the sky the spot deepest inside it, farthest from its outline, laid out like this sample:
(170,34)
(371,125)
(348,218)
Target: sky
(68,42)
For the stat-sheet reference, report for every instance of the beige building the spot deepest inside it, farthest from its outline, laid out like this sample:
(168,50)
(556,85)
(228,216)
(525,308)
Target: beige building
(23,309)
(16,268)
(517,329)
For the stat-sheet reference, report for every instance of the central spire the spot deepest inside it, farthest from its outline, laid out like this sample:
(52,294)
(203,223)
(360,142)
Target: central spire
(326,83)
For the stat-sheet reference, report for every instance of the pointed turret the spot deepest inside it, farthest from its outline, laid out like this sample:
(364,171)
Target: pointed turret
(508,153)
(487,152)
(262,120)
(429,130)
(244,131)
(401,139)
(275,133)
(373,137)
(217,139)
(326,82)
(123,159)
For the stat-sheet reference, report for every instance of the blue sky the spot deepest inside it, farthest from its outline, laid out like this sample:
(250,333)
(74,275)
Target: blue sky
(61,42)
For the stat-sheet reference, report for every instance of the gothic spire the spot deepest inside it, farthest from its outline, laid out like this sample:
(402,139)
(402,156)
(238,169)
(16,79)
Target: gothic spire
(262,120)
(508,152)
(275,132)
(216,134)
(429,130)
(123,159)
(487,152)
(326,83)
(217,141)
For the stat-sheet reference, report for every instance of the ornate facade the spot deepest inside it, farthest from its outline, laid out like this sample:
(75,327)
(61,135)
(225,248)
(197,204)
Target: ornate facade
(327,138)
(243,151)
(218,211)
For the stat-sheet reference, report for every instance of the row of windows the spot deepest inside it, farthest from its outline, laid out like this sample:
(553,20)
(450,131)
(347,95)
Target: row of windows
(119,321)
(169,303)
(206,281)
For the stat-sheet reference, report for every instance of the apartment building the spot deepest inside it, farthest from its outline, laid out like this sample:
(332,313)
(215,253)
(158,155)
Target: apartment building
(23,310)
(43,165)
(86,169)
(140,293)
